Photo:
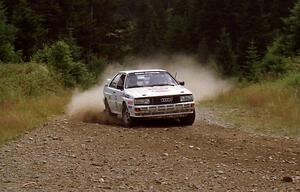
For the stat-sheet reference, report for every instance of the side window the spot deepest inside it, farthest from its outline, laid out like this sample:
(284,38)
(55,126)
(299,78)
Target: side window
(120,84)
(115,81)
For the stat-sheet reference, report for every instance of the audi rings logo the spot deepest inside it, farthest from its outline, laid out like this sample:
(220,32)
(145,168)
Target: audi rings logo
(166,100)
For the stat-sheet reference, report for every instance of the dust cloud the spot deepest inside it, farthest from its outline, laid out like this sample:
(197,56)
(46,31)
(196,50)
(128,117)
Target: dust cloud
(203,81)
(87,106)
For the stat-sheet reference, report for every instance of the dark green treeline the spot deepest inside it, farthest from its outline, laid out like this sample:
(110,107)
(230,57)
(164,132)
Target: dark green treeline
(235,33)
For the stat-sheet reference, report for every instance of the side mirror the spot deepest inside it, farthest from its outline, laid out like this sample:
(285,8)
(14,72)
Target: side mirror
(182,83)
(107,82)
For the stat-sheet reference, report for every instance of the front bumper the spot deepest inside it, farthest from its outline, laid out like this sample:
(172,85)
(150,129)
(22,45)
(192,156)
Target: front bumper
(163,111)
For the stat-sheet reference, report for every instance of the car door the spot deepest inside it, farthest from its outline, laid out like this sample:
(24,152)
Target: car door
(120,93)
(111,95)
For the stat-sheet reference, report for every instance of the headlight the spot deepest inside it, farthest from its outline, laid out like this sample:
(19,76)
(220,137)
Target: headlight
(142,101)
(186,98)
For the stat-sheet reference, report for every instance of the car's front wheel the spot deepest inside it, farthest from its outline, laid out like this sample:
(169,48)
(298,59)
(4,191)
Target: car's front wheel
(128,121)
(189,119)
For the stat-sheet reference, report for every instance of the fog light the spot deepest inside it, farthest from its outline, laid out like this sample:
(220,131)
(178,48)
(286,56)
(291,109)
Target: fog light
(193,105)
(137,109)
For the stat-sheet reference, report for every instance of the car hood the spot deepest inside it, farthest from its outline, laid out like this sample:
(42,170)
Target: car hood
(157,91)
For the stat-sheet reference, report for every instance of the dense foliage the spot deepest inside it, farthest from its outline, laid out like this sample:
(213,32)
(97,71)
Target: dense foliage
(7,37)
(246,38)
(59,57)
(26,80)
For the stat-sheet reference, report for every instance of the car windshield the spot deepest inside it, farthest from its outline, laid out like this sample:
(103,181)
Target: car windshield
(150,79)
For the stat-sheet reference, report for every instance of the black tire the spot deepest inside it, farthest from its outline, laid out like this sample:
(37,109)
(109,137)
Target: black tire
(127,120)
(189,119)
(107,109)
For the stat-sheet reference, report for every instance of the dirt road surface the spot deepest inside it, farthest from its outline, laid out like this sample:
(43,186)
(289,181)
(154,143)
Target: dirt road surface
(63,155)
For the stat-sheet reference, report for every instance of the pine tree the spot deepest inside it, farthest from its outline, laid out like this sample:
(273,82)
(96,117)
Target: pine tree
(291,39)
(7,38)
(176,35)
(273,61)
(225,57)
(147,38)
(29,29)
(253,62)
(113,28)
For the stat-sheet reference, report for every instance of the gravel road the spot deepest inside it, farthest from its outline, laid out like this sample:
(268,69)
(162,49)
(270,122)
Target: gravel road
(63,155)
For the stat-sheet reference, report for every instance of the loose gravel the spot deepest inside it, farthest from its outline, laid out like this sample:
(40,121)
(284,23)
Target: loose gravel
(64,155)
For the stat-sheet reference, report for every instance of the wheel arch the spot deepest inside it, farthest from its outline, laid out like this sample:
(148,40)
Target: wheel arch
(124,104)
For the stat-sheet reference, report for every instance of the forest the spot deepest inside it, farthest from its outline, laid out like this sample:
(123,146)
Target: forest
(246,39)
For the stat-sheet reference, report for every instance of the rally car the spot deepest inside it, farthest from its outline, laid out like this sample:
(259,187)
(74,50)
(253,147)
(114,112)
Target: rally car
(148,94)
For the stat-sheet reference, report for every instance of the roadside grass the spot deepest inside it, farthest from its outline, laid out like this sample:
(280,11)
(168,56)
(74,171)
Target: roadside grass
(29,94)
(268,107)
(16,117)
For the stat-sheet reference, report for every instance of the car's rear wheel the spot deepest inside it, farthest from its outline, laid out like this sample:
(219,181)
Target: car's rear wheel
(189,119)
(107,108)
(128,121)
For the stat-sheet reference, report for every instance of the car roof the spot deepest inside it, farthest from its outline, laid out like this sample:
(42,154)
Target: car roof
(141,70)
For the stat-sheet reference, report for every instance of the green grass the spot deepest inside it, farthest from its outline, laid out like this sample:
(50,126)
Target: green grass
(23,115)
(268,107)
(30,93)
(27,80)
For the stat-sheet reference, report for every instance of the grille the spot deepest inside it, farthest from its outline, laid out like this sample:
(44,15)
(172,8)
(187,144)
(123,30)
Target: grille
(164,100)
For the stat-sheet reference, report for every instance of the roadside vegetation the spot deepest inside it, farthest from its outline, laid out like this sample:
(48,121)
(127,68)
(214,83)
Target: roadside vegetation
(22,115)
(267,98)
(269,107)
(29,94)
(34,91)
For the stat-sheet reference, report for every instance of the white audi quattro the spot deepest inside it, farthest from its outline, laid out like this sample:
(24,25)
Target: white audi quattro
(144,94)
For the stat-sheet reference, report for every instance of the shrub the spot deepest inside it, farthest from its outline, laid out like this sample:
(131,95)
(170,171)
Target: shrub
(29,94)
(98,64)
(8,54)
(26,80)
(273,62)
(59,57)
(41,55)
(78,74)
(292,80)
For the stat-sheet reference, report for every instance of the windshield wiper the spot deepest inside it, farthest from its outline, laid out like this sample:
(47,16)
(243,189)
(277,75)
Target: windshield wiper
(136,86)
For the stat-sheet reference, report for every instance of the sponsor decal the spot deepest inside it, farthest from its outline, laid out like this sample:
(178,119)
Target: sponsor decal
(160,89)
